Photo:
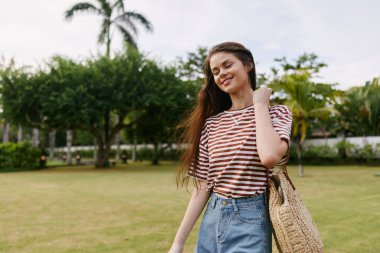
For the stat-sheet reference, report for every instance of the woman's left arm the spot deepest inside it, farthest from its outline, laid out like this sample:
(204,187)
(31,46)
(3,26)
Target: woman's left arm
(270,147)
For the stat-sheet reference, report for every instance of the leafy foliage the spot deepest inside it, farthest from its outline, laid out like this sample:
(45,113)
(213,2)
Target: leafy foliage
(123,21)
(360,110)
(82,95)
(18,155)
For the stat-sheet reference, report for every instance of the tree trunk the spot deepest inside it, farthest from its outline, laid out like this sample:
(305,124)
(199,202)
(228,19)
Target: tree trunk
(172,152)
(104,145)
(104,141)
(118,138)
(299,151)
(134,149)
(108,42)
(324,135)
(19,134)
(117,156)
(35,137)
(156,152)
(6,128)
(103,161)
(95,150)
(69,139)
(51,143)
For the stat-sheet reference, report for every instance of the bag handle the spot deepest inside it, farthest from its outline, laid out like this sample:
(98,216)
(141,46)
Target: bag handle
(284,170)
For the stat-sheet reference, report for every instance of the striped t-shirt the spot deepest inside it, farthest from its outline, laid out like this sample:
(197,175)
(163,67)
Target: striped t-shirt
(228,158)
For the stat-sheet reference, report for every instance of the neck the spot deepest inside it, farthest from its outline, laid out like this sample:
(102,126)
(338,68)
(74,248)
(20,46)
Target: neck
(241,99)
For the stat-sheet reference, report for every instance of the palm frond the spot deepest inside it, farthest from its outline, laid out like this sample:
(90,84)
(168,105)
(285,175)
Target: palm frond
(104,31)
(127,24)
(119,4)
(127,36)
(297,109)
(136,17)
(81,7)
(323,112)
(106,7)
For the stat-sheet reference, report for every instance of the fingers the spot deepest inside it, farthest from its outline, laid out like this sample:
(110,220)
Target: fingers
(264,90)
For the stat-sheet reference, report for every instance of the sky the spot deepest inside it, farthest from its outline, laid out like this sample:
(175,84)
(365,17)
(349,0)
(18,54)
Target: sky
(344,34)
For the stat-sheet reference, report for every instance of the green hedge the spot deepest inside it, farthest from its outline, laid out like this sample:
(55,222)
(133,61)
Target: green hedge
(18,155)
(343,152)
(142,154)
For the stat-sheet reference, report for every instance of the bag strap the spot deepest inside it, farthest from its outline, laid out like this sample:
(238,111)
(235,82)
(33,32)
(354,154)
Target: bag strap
(284,170)
(283,167)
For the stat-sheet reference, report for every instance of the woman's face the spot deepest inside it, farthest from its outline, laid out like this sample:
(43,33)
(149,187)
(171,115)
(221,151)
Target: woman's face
(230,74)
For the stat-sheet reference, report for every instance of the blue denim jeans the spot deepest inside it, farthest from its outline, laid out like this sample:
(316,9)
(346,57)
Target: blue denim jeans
(235,225)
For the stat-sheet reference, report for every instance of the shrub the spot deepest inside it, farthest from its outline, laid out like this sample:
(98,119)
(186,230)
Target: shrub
(343,152)
(319,155)
(345,149)
(365,154)
(18,155)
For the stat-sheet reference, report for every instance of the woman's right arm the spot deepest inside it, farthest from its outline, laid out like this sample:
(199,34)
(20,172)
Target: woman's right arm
(194,209)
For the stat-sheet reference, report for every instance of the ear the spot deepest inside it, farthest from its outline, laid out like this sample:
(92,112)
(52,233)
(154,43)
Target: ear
(248,67)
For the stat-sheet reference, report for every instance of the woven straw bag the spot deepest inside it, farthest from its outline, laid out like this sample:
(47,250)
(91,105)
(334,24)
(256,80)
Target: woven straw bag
(293,228)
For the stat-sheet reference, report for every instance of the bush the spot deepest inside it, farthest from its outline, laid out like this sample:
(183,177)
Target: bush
(344,152)
(319,155)
(345,149)
(365,154)
(144,153)
(147,154)
(18,155)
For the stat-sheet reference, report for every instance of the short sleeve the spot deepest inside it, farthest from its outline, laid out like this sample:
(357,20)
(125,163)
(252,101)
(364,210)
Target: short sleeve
(199,169)
(282,122)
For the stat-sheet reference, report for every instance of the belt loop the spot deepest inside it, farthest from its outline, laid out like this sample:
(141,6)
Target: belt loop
(236,209)
(214,199)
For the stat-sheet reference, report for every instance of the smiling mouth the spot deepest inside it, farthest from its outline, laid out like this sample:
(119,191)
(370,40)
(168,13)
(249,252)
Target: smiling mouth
(226,81)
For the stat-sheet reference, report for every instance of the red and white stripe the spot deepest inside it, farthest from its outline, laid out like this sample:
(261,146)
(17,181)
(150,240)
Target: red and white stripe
(228,158)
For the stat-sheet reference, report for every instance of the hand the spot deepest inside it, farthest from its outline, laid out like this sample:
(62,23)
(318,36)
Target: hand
(262,95)
(176,248)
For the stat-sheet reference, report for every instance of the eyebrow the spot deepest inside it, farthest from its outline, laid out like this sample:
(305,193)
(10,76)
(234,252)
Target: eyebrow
(222,64)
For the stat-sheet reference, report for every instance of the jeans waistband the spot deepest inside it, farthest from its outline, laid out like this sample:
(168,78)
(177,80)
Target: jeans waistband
(240,199)
(235,202)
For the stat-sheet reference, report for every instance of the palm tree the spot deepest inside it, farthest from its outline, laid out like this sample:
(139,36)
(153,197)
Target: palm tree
(113,15)
(123,21)
(360,109)
(308,101)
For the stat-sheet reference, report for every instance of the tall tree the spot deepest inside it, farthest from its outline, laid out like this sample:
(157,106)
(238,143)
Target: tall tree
(159,118)
(360,110)
(192,66)
(9,72)
(113,14)
(308,100)
(72,95)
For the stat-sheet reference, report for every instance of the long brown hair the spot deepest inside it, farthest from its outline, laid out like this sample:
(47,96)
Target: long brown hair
(210,101)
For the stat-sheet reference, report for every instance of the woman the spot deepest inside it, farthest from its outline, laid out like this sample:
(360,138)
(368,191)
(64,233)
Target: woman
(235,138)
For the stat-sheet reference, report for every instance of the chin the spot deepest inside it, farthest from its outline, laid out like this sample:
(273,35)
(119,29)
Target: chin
(230,89)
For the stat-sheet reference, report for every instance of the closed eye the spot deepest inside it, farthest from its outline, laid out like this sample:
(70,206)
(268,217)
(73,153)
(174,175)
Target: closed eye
(227,64)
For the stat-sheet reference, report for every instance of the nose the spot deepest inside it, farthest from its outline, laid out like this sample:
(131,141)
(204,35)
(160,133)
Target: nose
(223,73)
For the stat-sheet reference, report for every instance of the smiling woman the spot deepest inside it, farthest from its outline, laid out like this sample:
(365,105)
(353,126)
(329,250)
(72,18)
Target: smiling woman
(230,74)
(235,140)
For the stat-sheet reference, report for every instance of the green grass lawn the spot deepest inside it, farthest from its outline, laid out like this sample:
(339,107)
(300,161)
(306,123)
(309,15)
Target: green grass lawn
(137,208)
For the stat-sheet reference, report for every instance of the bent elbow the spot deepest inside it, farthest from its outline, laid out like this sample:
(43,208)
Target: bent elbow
(269,162)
